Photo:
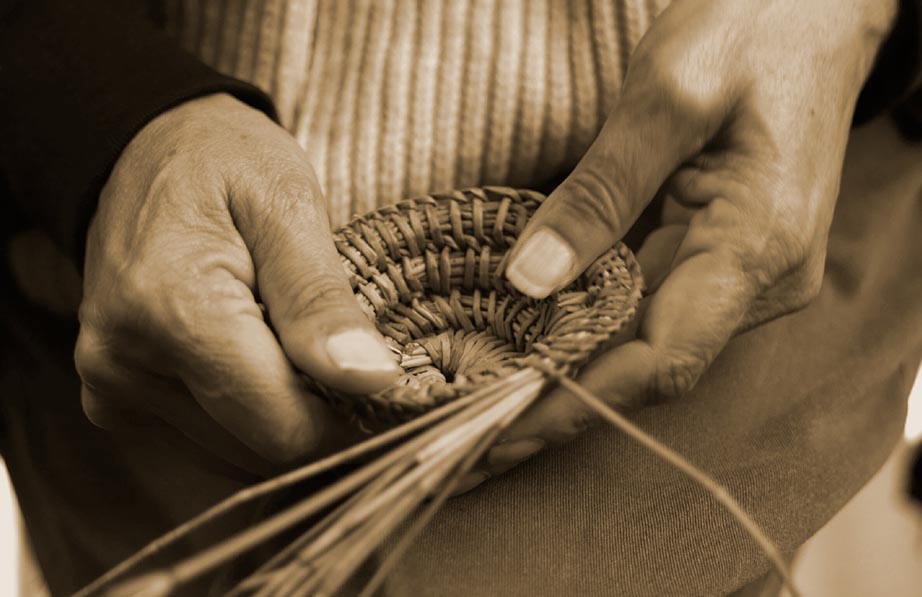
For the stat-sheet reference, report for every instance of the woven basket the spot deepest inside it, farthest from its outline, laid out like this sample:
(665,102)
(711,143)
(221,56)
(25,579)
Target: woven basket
(429,273)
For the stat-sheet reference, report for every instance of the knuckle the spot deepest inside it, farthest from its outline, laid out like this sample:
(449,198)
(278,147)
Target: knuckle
(597,198)
(663,84)
(183,313)
(565,419)
(779,254)
(277,200)
(124,299)
(795,247)
(788,258)
(805,289)
(654,74)
(676,375)
(277,193)
(189,311)
(578,422)
(812,285)
(91,359)
(309,298)
(135,290)
(558,420)
(649,62)
(96,410)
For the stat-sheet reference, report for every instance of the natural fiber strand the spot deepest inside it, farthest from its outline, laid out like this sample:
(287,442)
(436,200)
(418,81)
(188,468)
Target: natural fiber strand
(710,485)
(430,272)
(186,570)
(419,524)
(269,571)
(272,486)
(476,354)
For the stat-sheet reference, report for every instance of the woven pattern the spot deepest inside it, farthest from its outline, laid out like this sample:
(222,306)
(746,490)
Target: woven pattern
(429,273)
(395,98)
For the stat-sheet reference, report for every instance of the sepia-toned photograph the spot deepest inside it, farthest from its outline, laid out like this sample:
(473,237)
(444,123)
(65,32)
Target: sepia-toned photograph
(461,298)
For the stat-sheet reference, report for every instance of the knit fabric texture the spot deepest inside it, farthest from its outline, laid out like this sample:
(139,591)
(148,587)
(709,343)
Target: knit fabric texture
(793,417)
(397,98)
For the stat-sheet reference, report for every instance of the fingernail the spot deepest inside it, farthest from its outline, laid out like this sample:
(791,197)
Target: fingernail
(360,350)
(510,454)
(543,263)
(469,482)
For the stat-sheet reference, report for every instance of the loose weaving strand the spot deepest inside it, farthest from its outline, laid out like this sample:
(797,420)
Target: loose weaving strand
(714,488)
(476,354)
(430,273)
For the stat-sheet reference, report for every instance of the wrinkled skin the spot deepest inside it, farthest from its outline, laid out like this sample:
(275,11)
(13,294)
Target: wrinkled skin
(208,203)
(737,114)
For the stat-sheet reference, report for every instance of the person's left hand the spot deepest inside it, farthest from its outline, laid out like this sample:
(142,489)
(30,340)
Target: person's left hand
(738,114)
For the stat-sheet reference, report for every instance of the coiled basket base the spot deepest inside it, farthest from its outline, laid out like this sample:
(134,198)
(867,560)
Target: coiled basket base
(429,272)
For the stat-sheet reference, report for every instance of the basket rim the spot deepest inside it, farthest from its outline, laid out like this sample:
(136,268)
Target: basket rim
(442,255)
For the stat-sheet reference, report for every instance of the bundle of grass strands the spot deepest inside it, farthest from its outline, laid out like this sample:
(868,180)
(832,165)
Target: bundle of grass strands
(476,354)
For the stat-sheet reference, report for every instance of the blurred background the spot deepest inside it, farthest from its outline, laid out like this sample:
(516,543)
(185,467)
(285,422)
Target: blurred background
(872,548)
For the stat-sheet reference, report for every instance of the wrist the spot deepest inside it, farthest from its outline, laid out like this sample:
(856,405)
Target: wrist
(185,129)
(194,117)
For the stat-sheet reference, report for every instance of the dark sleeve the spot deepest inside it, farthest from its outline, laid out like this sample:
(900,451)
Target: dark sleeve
(78,79)
(897,74)
(915,477)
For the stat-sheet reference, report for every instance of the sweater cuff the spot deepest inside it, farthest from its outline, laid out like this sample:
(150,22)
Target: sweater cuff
(897,72)
(76,85)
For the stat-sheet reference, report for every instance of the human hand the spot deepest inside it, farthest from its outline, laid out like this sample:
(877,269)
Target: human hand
(208,206)
(737,113)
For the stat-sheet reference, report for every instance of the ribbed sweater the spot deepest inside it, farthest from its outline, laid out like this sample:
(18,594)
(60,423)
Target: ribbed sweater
(394,98)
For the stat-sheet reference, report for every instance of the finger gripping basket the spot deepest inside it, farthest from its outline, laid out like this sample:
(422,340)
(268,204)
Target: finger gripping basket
(476,354)
(430,273)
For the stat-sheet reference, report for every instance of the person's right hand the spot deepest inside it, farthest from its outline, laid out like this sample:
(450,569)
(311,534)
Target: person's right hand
(208,207)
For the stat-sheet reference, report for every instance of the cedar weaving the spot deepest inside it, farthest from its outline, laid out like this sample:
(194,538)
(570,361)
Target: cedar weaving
(429,272)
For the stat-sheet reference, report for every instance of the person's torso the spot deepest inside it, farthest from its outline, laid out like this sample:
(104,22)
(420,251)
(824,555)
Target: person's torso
(402,97)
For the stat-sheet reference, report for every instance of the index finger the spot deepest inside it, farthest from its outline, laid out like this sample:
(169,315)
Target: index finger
(687,322)
(238,372)
(653,129)
(302,282)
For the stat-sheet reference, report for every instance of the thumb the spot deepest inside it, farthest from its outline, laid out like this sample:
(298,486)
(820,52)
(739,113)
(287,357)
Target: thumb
(647,136)
(301,280)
